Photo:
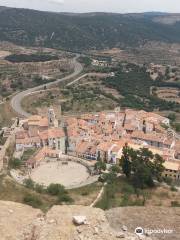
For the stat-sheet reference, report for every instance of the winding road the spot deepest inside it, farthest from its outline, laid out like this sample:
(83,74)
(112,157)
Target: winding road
(18,98)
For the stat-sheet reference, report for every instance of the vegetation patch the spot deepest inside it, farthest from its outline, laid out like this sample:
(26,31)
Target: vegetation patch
(137,188)
(18,58)
(134,84)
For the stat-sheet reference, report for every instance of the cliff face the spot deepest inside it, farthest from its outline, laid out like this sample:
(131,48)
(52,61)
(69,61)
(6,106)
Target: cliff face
(21,222)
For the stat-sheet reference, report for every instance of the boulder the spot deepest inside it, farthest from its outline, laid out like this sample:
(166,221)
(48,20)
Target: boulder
(120,235)
(124,228)
(79,220)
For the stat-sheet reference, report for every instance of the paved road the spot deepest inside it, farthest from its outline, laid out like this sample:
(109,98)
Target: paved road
(18,98)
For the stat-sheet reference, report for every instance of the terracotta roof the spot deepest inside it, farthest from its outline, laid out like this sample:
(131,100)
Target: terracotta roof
(21,134)
(43,135)
(82,147)
(55,133)
(151,137)
(105,146)
(38,121)
(41,154)
(29,140)
(129,127)
(71,121)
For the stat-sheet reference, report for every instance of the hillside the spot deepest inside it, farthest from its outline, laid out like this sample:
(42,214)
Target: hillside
(83,31)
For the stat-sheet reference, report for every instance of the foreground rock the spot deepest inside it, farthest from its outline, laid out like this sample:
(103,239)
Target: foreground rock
(14,218)
(151,218)
(21,222)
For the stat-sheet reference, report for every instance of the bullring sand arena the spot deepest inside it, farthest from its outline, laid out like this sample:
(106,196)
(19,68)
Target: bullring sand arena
(70,174)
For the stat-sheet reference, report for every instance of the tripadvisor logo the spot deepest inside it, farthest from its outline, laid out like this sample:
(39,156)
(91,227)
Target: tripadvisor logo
(139,231)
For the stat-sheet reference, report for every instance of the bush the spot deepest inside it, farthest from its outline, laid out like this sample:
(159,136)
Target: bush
(175,204)
(177,127)
(128,189)
(84,193)
(29,183)
(173,189)
(172,117)
(168,180)
(32,200)
(109,177)
(65,198)
(56,189)
(15,163)
(115,169)
(39,188)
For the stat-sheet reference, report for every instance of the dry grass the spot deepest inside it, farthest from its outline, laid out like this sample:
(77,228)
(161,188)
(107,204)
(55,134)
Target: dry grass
(85,195)
(162,196)
(38,103)
(6,114)
(121,193)
(12,191)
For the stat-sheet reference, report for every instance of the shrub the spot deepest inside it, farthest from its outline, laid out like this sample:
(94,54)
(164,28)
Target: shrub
(110,177)
(15,163)
(29,183)
(175,204)
(84,193)
(32,200)
(39,188)
(173,189)
(128,189)
(124,200)
(115,169)
(56,189)
(168,180)
(64,198)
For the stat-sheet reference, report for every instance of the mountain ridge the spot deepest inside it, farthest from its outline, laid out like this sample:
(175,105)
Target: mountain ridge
(85,31)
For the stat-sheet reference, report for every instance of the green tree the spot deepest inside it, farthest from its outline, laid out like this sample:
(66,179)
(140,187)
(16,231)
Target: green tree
(109,178)
(126,161)
(115,169)
(158,167)
(100,166)
(141,166)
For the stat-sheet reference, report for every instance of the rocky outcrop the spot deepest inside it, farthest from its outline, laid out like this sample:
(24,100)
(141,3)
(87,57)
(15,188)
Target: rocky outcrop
(21,222)
(16,221)
(149,218)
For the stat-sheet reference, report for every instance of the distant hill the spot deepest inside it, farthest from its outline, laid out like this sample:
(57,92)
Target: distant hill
(78,32)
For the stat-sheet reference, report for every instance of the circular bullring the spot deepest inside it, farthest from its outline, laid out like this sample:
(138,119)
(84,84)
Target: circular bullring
(69,173)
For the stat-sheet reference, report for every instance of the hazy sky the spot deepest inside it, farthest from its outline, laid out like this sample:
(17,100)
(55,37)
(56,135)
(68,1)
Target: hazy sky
(96,5)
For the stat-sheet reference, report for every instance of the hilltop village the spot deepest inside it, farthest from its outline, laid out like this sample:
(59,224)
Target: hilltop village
(99,136)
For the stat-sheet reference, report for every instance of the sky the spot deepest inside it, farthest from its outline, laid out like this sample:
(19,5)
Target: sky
(120,6)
